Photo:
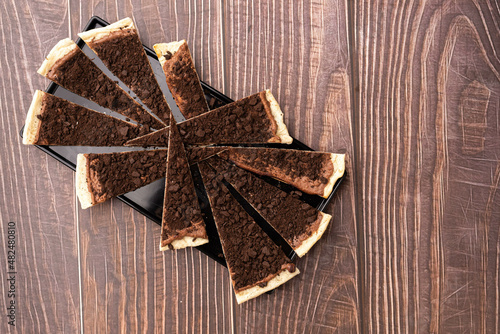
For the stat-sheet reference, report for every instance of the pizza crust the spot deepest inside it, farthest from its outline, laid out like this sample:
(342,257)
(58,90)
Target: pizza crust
(61,49)
(98,33)
(187,241)
(306,245)
(338,161)
(162,48)
(32,124)
(281,130)
(82,187)
(252,292)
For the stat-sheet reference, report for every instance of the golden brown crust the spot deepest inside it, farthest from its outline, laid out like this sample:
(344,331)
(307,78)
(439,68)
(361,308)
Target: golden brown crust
(82,182)
(98,33)
(307,244)
(61,49)
(32,124)
(255,291)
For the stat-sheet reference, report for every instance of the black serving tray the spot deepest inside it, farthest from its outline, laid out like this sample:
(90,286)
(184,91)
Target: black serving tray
(148,200)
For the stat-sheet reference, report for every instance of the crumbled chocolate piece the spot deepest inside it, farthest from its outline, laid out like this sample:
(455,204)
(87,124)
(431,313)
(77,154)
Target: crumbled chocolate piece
(123,54)
(168,55)
(113,174)
(183,82)
(181,210)
(308,171)
(293,219)
(242,239)
(77,73)
(66,123)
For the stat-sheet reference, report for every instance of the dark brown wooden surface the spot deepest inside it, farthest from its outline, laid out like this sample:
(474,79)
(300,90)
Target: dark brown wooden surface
(409,90)
(428,153)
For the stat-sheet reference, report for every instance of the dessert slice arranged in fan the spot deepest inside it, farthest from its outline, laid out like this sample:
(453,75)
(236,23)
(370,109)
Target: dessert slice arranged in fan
(52,120)
(182,79)
(120,49)
(70,68)
(309,171)
(182,223)
(297,222)
(255,263)
(253,119)
(101,176)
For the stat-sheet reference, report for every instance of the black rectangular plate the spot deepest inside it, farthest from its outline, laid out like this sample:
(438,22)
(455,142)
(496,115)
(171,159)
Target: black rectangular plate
(148,200)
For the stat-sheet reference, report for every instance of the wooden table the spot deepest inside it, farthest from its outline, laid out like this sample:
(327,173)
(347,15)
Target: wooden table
(409,90)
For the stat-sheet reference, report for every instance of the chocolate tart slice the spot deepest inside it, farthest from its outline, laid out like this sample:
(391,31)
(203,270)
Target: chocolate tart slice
(52,120)
(182,79)
(309,171)
(70,68)
(182,223)
(120,49)
(255,263)
(101,176)
(297,222)
(253,119)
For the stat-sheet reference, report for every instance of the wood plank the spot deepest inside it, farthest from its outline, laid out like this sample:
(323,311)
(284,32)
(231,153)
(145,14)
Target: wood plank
(128,285)
(427,114)
(36,192)
(300,52)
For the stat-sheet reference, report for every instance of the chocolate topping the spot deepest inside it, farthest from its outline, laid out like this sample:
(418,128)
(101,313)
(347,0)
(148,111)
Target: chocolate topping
(183,82)
(243,121)
(293,219)
(66,123)
(113,174)
(122,52)
(77,73)
(181,210)
(306,170)
(252,257)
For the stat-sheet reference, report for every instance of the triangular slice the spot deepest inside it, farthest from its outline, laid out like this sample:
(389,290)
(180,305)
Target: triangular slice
(254,119)
(182,223)
(101,176)
(311,172)
(255,263)
(297,222)
(120,49)
(52,120)
(182,79)
(70,68)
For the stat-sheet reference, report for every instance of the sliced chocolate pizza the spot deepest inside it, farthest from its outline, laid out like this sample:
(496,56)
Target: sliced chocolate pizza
(52,120)
(182,79)
(254,119)
(182,223)
(309,171)
(120,49)
(255,263)
(297,222)
(101,176)
(70,68)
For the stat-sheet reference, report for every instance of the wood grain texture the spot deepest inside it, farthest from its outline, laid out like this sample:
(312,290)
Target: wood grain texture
(427,114)
(36,192)
(128,285)
(300,52)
